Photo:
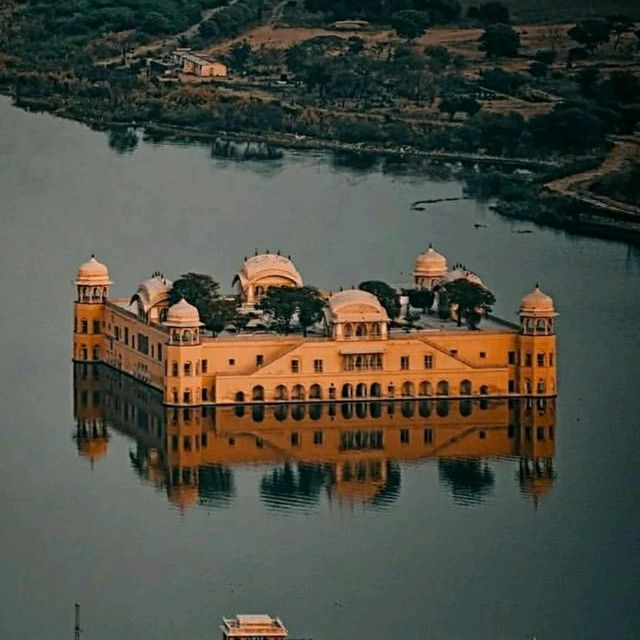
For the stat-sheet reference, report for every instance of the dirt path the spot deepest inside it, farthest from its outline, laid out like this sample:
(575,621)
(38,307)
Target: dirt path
(577,186)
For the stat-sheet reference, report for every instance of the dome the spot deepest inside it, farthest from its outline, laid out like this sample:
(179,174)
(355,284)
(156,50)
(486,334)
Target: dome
(537,303)
(153,291)
(355,305)
(461,273)
(266,265)
(430,263)
(93,272)
(183,314)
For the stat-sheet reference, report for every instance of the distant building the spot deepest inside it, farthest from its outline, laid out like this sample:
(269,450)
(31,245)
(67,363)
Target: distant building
(253,627)
(188,62)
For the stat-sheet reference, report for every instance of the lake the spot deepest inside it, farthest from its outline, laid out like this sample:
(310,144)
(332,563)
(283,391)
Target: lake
(458,547)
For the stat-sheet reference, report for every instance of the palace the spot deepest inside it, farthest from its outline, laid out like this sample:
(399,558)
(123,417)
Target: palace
(356,352)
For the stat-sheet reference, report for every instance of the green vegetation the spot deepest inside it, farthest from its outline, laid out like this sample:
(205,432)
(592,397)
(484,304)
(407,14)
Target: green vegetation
(472,300)
(623,185)
(282,303)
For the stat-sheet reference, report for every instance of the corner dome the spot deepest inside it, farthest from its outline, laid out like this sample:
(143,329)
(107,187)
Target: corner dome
(537,302)
(430,263)
(93,272)
(355,305)
(183,314)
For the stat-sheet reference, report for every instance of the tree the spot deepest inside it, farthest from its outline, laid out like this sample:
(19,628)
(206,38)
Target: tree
(493,13)
(472,300)
(203,292)
(421,298)
(409,24)
(310,304)
(538,69)
(591,33)
(620,24)
(500,40)
(280,304)
(455,104)
(239,55)
(385,293)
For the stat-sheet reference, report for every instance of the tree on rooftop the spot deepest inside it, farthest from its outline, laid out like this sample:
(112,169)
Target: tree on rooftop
(203,292)
(421,299)
(409,24)
(472,300)
(310,304)
(500,40)
(280,305)
(385,293)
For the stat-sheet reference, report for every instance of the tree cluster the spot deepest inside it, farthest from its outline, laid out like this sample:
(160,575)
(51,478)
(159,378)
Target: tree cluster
(281,304)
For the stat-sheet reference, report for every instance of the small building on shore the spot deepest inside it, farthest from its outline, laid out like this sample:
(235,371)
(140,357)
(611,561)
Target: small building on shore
(190,63)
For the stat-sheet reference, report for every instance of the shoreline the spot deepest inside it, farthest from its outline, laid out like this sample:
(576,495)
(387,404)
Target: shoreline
(591,222)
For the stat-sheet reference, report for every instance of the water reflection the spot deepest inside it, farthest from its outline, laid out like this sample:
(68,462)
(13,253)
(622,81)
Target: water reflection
(346,452)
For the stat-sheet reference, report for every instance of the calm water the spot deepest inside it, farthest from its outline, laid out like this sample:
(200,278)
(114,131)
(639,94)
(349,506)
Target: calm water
(278,537)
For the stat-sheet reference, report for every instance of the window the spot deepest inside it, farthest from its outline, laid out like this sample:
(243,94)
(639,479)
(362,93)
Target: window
(186,397)
(540,433)
(96,326)
(126,335)
(483,354)
(186,443)
(205,366)
(428,436)
(174,369)
(482,435)
(512,386)
(117,333)
(317,366)
(541,359)
(512,357)
(295,366)
(96,353)
(187,368)
(551,359)
(317,437)
(174,443)
(143,344)
(404,436)
(232,361)
(453,352)
(404,362)
(428,361)
(160,351)
(84,326)
(205,395)
(259,360)
(295,439)
(527,359)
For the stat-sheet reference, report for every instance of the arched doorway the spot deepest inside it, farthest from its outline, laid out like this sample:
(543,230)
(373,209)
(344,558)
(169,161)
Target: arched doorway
(425,389)
(281,393)
(465,388)
(347,390)
(297,393)
(375,391)
(257,394)
(315,392)
(361,390)
(408,389)
(443,388)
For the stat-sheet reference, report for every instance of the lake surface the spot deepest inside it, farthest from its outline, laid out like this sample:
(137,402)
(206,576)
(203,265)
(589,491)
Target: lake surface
(456,549)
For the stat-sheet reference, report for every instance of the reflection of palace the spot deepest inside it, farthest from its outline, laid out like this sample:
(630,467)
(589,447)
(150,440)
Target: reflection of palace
(350,450)
(356,352)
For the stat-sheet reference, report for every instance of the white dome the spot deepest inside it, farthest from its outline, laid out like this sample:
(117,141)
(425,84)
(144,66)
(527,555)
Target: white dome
(93,272)
(265,265)
(153,291)
(430,263)
(460,273)
(537,303)
(183,314)
(355,305)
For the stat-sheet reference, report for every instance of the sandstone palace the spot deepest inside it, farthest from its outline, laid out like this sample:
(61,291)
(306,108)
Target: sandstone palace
(355,352)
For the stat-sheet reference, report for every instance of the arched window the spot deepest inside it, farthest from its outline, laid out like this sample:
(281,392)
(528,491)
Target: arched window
(359,363)
(239,396)
(425,389)
(315,392)
(348,330)
(541,325)
(375,391)
(347,390)
(361,329)
(175,335)
(484,389)
(281,393)
(408,389)
(541,387)
(257,393)
(375,329)
(442,388)
(187,337)
(297,393)
(465,388)
(361,390)
(259,291)
(84,353)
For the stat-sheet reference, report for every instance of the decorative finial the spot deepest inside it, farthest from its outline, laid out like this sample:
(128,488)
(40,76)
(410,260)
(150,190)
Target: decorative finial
(537,285)
(93,255)
(289,257)
(256,251)
(278,251)
(430,246)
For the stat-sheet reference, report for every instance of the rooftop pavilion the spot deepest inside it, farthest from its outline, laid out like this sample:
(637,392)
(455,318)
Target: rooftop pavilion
(253,627)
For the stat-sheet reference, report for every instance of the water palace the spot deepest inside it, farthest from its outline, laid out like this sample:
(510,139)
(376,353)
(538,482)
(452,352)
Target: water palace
(354,354)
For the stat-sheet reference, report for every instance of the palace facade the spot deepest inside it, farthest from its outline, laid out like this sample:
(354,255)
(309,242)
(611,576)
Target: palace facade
(354,353)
